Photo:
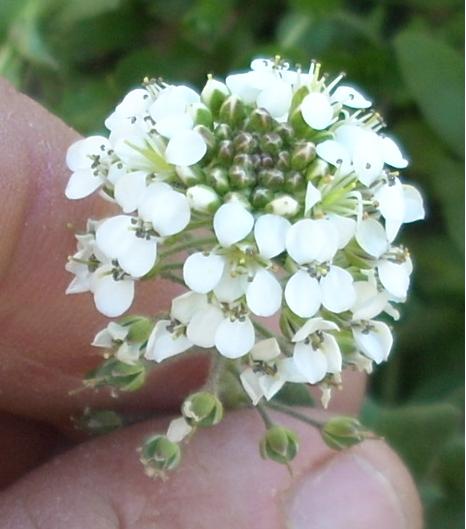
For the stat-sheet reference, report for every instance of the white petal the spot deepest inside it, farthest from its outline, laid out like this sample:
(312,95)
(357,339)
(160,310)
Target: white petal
(250,382)
(369,301)
(81,154)
(391,200)
(367,158)
(371,237)
(270,234)
(170,214)
(186,147)
(310,240)
(113,298)
(350,97)
(134,103)
(338,293)
(331,350)
(203,326)
(414,205)
(169,126)
(335,154)
(311,363)
(231,287)
(202,273)
(392,154)
(130,189)
(163,344)
(275,98)
(313,196)
(346,228)
(376,343)
(288,370)
(313,325)
(350,136)
(82,183)
(270,385)
(155,196)
(266,350)
(173,100)
(232,223)
(395,278)
(317,111)
(115,236)
(185,306)
(128,353)
(244,86)
(302,294)
(264,294)
(234,339)
(178,429)
(140,257)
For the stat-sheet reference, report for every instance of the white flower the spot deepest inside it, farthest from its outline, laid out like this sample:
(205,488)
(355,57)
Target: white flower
(350,97)
(134,104)
(395,277)
(232,223)
(374,339)
(164,342)
(317,110)
(112,296)
(316,351)
(113,333)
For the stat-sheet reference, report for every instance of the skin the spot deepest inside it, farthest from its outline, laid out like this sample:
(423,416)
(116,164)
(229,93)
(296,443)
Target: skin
(51,479)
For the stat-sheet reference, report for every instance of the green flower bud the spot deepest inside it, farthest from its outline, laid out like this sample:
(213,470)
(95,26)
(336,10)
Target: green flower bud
(189,175)
(244,142)
(223,131)
(207,135)
(214,94)
(300,127)
(294,181)
(283,161)
(232,111)
(317,169)
(272,178)
(259,121)
(217,177)
(303,154)
(298,98)
(203,198)
(241,177)
(243,159)
(271,143)
(284,205)
(261,196)
(159,453)
(99,422)
(286,132)
(279,444)
(116,374)
(202,409)
(226,151)
(202,115)
(139,328)
(267,162)
(242,197)
(343,432)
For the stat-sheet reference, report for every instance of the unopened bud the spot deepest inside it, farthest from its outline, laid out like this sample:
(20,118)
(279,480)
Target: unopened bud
(159,453)
(244,142)
(214,94)
(139,328)
(202,409)
(271,143)
(99,422)
(241,177)
(202,115)
(317,169)
(272,178)
(286,132)
(260,121)
(284,205)
(225,151)
(294,181)
(298,97)
(239,197)
(223,131)
(279,444)
(283,160)
(217,177)
(343,432)
(207,135)
(118,375)
(203,198)
(189,175)
(232,111)
(303,154)
(261,196)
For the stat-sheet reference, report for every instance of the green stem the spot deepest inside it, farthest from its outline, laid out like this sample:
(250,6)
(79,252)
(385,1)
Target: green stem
(265,416)
(282,408)
(192,243)
(173,277)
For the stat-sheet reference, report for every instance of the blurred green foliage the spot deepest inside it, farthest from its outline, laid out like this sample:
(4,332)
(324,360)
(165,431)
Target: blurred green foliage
(78,57)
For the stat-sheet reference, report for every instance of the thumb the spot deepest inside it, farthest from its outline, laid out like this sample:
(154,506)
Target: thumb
(222,482)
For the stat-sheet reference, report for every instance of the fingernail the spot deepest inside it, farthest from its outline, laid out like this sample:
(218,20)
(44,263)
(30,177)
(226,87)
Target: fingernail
(348,492)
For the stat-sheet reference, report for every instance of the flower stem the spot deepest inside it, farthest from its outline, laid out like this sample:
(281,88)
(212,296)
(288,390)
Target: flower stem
(264,415)
(192,243)
(288,410)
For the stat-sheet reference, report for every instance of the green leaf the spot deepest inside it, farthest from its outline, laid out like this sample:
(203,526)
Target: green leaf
(294,395)
(433,73)
(72,12)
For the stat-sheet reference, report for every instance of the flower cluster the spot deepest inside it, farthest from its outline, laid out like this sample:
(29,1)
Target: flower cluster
(273,194)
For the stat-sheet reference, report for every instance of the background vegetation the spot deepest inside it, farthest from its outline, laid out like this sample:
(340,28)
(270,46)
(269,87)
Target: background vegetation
(78,57)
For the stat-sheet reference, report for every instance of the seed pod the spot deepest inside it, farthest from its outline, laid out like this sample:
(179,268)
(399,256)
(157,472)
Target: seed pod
(159,453)
(279,444)
(272,178)
(202,409)
(343,432)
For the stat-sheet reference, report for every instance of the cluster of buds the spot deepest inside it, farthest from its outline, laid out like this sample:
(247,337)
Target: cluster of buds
(273,194)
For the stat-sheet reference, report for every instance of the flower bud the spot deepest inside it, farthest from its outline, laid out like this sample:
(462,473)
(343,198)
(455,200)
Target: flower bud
(99,422)
(261,196)
(267,162)
(217,177)
(202,409)
(317,169)
(203,198)
(286,132)
(226,151)
(279,444)
(214,94)
(189,175)
(223,131)
(241,177)
(232,111)
(139,328)
(284,205)
(303,154)
(283,161)
(159,453)
(272,178)
(259,121)
(207,135)
(294,181)
(300,127)
(298,97)
(202,115)
(244,142)
(116,374)
(244,160)
(271,143)
(241,197)
(343,432)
